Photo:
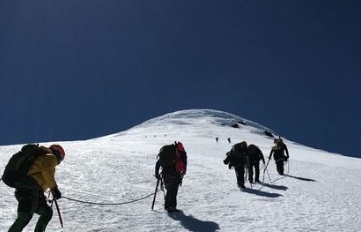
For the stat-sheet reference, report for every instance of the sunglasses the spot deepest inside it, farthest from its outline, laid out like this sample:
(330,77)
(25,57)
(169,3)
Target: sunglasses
(58,156)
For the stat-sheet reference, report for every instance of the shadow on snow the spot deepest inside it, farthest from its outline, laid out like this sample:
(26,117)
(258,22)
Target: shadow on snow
(193,224)
(301,178)
(261,193)
(274,186)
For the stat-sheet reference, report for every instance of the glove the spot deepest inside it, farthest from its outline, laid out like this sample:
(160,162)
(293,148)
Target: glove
(182,174)
(157,176)
(286,158)
(56,193)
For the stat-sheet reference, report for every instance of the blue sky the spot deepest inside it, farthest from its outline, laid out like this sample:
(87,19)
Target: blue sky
(73,70)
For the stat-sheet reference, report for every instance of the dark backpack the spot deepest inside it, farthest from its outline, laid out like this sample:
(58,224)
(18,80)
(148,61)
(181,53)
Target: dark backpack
(254,153)
(167,155)
(20,163)
(238,155)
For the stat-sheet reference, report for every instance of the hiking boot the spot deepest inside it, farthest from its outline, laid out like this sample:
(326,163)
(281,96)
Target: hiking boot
(241,186)
(171,210)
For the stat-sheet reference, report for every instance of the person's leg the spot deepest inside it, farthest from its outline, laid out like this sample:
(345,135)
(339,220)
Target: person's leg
(250,173)
(240,176)
(279,165)
(172,197)
(21,221)
(256,169)
(45,212)
(171,185)
(25,209)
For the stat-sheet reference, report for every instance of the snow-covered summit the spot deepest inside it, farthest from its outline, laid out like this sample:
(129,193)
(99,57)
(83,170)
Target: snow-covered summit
(198,118)
(202,116)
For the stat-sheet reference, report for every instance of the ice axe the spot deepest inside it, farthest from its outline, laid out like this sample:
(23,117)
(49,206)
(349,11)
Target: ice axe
(159,180)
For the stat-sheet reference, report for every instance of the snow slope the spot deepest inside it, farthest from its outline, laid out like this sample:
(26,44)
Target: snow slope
(321,192)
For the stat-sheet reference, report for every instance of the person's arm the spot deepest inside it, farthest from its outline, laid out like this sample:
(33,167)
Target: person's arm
(286,150)
(261,155)
(157,167)
(227,159)
(185,161)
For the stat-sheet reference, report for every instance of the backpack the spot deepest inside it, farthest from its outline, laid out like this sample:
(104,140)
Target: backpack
(20,163)
(238,155)
(254,153)
(167,155)
(180,167)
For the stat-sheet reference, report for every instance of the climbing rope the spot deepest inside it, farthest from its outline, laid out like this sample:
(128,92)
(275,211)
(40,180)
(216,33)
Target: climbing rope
(280,178)
(118,203)
(269,177)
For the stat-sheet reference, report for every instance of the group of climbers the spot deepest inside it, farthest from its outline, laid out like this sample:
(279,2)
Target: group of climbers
(29,192)
(243,157)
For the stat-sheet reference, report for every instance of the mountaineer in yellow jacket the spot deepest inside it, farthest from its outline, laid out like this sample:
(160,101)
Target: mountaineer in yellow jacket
(31,196)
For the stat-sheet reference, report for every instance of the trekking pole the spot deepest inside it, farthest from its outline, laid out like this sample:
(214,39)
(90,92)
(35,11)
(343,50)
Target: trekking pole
(288,166)
(247,175)
(155,192)
(265,168)
(161,185)
(59,214)
(269,177)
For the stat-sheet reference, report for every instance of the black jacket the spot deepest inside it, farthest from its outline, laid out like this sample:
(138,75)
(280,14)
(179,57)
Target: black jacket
(255,154)
(279,152)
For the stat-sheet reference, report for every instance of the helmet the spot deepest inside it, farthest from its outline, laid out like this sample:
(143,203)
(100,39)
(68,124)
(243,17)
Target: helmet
(58,151)
(276,140)
(244,143)
(179,146)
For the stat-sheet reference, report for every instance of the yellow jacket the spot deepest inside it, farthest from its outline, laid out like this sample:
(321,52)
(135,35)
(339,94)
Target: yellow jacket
(43,170)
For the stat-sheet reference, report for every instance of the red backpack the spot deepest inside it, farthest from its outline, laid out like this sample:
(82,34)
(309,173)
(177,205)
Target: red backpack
(179,165)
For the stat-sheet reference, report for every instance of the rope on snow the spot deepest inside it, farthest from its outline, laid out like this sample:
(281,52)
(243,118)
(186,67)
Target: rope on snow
(118,203)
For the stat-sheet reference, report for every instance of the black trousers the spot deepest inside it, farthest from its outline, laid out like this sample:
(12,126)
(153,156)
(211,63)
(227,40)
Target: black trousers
(171,184)
(280,167)
(240,175)
(31,200)
(255,166)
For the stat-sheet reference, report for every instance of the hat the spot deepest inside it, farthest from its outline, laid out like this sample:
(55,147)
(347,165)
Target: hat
(179,146)
(58,151)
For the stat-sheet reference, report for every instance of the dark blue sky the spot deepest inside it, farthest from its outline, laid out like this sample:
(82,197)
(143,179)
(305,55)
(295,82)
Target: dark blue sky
(78,69)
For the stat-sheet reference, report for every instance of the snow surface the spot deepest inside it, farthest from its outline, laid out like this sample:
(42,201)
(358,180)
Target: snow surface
(321,192)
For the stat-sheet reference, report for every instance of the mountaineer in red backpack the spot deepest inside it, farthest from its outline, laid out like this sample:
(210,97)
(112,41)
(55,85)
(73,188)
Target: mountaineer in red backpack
(173,160)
